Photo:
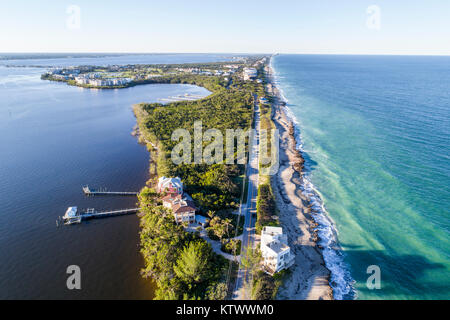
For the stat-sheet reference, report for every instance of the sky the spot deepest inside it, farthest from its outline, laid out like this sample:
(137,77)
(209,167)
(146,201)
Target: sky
(244,26)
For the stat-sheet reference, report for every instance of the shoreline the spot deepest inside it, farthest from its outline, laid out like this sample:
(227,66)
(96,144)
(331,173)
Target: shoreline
(309,278)
(156,227)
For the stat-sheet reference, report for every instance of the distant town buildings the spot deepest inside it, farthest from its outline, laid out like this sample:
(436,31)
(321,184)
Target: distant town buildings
(232,66)
(84,76)
(62,77)
(93,80)
(261,61)
(205,72)
(275,251)
(152,75)
(250,73)
(112,76)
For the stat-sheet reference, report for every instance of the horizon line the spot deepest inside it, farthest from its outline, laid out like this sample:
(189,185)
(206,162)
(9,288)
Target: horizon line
(229,53)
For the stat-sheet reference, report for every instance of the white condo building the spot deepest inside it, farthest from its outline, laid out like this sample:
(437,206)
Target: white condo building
(95,81)
(275,251)
(250,73)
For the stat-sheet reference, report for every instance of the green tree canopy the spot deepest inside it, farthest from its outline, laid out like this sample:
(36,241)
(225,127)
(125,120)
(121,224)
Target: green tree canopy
(193,264)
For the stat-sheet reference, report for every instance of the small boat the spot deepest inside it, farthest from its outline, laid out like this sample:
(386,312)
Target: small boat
(71,216)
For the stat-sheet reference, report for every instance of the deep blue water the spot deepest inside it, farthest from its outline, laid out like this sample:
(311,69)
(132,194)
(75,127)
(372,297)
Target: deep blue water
(376,132)
(54,138)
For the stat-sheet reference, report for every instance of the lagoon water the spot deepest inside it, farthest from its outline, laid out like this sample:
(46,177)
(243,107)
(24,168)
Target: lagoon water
(376,134)
(55,138)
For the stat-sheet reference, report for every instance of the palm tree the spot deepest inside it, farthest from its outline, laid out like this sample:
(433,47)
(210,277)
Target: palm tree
(211,213)
(227,224)
(192,265)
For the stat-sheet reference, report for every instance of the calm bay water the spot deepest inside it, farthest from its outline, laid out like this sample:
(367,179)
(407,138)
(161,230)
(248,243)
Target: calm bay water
(376,132)
(54,138)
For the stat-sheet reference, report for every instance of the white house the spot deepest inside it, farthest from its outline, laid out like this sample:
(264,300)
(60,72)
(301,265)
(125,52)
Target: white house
(170,185)
(275,251)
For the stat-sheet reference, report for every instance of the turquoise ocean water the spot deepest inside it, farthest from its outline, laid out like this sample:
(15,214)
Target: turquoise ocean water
(375,131)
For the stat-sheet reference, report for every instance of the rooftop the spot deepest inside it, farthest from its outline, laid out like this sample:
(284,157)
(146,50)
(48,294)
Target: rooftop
(277,246)
(272,230)
(183,206)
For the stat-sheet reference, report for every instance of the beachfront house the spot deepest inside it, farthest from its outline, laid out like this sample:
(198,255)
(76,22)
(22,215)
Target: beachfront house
(170,185)
(183,209)
(274,250)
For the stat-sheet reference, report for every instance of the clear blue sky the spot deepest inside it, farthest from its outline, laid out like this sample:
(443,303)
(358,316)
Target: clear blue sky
(297,26)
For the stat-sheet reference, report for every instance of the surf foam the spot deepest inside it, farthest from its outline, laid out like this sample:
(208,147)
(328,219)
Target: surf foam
(341,280)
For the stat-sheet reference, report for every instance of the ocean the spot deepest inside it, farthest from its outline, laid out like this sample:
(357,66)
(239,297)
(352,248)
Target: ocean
(375,132)
(55,138)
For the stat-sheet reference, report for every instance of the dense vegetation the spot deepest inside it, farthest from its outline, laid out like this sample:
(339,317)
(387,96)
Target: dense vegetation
(182,264)
(262,286)
(265,287)
(266,207)
(213,187)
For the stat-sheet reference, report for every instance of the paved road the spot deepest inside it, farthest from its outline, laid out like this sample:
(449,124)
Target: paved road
(249,209)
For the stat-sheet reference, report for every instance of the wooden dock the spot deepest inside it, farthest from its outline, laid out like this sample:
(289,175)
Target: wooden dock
(74,216)
(103,192)
(91,213)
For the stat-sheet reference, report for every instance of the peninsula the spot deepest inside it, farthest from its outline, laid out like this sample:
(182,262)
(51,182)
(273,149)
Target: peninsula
(212,231)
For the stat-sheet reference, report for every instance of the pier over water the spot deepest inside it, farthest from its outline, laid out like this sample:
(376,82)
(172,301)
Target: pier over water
(72,214)
(103,192)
